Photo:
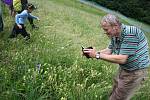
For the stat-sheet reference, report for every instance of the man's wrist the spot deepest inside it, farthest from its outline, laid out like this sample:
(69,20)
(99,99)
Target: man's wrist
(97,56)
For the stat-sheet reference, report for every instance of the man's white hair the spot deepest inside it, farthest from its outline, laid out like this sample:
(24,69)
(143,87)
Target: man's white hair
(111,19)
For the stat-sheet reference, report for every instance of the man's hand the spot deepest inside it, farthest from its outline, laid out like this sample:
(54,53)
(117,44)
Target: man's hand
(19,26)
(89,52)
(38,19)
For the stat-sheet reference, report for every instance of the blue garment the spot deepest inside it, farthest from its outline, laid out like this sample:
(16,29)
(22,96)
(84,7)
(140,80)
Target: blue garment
(22,17)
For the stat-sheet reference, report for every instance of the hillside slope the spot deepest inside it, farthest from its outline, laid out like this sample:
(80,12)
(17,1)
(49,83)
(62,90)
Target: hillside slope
(50,65)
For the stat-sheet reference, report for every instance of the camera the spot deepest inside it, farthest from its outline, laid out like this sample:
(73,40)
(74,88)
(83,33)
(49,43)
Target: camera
(85,54)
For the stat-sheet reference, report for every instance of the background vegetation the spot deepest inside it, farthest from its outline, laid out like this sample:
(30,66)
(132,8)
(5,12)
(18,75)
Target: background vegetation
(137,9)
(50,65)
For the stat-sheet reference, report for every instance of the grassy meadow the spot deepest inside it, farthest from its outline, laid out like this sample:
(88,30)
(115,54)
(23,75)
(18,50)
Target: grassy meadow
(50,66)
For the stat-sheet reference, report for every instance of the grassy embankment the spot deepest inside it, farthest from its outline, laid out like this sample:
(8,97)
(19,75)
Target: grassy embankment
(64,74)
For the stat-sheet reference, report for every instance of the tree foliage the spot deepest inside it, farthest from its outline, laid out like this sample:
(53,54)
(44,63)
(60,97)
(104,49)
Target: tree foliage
(137,9)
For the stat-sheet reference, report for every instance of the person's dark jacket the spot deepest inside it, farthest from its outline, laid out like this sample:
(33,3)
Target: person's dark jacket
(1,20)
(24,4)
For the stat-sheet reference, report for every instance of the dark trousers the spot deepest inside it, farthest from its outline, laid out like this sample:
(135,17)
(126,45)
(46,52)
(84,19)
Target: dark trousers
(1,23)
(17,31)
(30,21)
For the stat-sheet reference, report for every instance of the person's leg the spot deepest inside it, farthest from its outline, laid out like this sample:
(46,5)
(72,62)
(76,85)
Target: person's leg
(126,83)
(31,23)
(11,10)
(24,33)
(1,23)
(14,32)
(30,20)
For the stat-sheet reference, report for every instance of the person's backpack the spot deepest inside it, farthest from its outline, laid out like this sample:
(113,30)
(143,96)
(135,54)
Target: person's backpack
(17,5)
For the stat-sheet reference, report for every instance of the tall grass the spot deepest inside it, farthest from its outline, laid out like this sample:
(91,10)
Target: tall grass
(50,65)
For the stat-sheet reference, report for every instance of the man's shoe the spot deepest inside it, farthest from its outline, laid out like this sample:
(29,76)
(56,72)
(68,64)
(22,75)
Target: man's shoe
(12,36)
(35,27)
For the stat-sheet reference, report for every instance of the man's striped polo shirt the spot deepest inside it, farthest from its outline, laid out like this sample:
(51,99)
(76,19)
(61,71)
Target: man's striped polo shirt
(132,42)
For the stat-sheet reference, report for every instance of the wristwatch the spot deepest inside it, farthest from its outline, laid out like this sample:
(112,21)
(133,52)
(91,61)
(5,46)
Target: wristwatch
(98,55)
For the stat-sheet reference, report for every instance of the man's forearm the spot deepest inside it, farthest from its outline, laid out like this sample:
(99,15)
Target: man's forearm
(119,59)
(106,51)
